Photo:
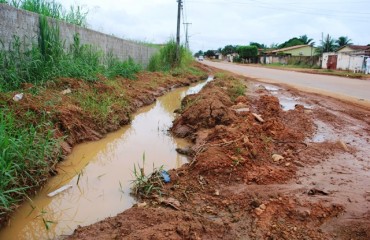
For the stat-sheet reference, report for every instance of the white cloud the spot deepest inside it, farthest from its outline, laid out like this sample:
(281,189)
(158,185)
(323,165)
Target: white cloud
(216,23)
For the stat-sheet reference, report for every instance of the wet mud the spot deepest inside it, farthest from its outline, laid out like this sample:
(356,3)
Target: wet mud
(258,170)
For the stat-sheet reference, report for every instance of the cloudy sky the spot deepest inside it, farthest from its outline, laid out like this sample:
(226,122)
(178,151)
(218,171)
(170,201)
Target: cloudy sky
(216,23)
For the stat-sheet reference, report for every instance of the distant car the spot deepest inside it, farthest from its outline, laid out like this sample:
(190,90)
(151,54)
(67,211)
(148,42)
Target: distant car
(200,58)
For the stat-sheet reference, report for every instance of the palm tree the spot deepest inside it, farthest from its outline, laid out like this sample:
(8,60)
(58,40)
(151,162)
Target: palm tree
(305,40)
(343,41)
(327,45)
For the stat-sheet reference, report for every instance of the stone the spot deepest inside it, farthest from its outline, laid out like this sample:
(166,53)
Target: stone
(258,211)
(277,157)
(262,206)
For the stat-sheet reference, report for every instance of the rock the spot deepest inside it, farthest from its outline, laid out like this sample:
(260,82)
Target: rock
(277,157)
(66,91)
(185,151)
(141,205)
(241,110)
(262,206)
(258,117)
(217,192)
(258,211)
(287,164)
(298,163)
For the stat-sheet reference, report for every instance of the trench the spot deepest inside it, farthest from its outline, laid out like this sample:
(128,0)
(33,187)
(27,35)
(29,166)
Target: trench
(101,173)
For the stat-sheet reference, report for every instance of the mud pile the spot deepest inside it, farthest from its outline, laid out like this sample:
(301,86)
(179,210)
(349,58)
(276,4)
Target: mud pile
(240,181)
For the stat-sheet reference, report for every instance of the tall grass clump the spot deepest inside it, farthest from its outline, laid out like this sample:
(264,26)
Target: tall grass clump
(34,64)
(26,155)
(75,15)
(165,59)
(115,67)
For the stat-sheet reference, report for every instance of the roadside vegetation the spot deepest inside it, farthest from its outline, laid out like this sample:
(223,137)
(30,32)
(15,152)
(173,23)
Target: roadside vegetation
(67,96)
(165,60)
(75,15)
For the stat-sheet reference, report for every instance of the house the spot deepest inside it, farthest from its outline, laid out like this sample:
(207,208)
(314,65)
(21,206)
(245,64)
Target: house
(294,54)
(355,49)
(298,50)
(350,58)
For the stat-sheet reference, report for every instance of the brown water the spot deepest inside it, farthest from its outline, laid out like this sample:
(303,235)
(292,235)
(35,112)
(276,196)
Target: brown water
(100,174)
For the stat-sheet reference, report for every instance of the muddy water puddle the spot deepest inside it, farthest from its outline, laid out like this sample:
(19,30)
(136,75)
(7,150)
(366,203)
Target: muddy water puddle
(286,102)
(101,172)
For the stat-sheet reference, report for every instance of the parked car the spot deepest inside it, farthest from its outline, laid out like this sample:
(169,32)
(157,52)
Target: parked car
(200,58)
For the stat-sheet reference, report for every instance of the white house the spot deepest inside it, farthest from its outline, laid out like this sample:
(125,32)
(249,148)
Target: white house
(350,58)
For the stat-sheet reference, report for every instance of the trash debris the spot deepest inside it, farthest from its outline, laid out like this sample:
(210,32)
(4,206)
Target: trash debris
(66,91)
(18,97)
(165,176)
(59,190)
(258,117)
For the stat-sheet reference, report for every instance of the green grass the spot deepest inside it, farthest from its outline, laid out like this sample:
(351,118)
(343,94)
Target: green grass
(165,59)
(236,90)
(27,152)
(46,61)
(75,15)
(144,185)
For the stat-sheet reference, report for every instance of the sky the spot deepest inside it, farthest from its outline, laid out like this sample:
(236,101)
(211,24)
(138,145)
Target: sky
(217,23)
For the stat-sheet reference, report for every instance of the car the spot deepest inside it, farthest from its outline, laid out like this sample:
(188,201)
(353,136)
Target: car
(200,58)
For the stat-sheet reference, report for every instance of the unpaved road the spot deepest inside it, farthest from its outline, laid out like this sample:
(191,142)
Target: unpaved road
(354,89)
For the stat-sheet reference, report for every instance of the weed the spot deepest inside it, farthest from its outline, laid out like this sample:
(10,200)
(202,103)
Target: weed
(236,90)
(76,14)
(25,157)
(165,60)
(144,185)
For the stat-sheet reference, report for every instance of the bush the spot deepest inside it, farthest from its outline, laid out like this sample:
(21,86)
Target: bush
(165,59)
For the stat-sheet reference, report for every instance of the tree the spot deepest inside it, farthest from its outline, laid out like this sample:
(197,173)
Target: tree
(199,53)
(258,45)
(305,40)
(247,52)
(228,49)
(343,41)
(327,45)
(210,53)
(291,42)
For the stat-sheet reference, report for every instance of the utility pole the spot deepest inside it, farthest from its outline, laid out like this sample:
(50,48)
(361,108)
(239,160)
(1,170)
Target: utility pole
(186,35)
(178,31)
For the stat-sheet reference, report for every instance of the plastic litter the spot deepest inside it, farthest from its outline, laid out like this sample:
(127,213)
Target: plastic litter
(18,97)
(59,190)
(165,176)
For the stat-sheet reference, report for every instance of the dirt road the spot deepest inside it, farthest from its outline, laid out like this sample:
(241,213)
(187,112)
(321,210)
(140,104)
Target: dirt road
(353,89)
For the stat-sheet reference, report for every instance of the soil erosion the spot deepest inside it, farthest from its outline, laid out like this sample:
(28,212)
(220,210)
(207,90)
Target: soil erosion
(258,169)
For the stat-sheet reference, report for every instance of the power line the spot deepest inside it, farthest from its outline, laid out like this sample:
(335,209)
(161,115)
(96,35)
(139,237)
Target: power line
(297,9)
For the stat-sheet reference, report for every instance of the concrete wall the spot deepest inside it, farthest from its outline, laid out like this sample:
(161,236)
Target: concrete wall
(25,25)
(346,61)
